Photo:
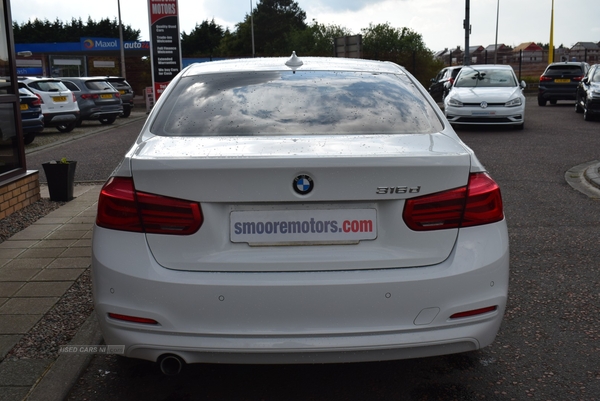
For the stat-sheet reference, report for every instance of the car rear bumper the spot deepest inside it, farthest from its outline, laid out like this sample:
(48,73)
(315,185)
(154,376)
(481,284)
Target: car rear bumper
(97,113)
(557,93)
(33,124)
(51,119)
(300,317)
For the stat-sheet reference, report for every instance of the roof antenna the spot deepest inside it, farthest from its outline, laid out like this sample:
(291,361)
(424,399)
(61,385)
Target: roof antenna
(294,61)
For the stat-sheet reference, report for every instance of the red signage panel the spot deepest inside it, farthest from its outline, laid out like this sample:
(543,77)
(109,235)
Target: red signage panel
(165,44)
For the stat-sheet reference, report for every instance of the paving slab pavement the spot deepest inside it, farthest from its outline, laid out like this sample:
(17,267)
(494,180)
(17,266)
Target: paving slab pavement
(37,267)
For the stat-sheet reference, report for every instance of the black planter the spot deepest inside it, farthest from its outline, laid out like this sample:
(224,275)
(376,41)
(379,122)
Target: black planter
(60,177)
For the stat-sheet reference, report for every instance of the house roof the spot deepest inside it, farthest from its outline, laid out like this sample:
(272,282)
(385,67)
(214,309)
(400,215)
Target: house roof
(528,46)
(475,49)
(491,48)
(585,45)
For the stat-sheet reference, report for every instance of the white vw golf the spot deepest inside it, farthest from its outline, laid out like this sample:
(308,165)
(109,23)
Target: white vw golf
(295,211)
(486,94)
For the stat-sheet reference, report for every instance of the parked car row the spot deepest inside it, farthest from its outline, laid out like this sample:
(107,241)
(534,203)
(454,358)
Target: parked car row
(66,102)
(491,94)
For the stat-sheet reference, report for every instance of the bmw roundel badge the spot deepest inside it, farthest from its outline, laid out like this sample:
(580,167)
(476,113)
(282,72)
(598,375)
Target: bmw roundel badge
(303,184)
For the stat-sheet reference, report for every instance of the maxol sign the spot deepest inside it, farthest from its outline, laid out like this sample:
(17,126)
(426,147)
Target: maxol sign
(96,44)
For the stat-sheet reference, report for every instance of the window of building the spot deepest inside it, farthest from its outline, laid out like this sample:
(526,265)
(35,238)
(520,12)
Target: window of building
(11,158)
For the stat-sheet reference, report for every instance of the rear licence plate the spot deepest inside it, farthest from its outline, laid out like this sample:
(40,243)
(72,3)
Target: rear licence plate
(59,98)
(121,92)
(106,96)
(303,227)
(562,81)
(24,107)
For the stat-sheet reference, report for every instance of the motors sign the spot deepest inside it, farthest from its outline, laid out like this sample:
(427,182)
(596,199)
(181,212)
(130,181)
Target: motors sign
(165,46)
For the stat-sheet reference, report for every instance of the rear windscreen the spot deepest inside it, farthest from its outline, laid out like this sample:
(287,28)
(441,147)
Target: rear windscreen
(99,86)
(564,69)
(48,86)
(294,103)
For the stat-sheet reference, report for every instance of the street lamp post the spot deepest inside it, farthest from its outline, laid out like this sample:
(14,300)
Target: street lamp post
(467,26)
(496,43)
(123,74)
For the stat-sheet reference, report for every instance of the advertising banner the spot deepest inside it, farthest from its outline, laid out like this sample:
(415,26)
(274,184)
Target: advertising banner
(165,45)
(99,44)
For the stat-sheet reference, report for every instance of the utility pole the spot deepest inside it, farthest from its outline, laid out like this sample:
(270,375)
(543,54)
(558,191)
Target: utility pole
(496,44)
(551,44)
(123,73)
(467,26)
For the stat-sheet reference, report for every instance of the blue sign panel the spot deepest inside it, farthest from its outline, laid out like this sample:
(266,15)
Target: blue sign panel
(96,44)
(30,71)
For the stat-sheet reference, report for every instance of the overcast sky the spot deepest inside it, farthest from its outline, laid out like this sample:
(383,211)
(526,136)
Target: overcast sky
(440,22)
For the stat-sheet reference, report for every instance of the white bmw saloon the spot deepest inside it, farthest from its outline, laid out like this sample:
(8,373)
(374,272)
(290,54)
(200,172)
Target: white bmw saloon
(298,210)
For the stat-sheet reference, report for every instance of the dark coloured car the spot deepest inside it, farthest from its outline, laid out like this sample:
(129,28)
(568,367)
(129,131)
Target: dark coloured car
(96,97)
(32,118)
(441,84)
(559,81)
(588,94)
(126,92)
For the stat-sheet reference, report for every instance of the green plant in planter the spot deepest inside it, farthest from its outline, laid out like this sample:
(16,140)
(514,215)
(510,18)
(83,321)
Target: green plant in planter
(63,161)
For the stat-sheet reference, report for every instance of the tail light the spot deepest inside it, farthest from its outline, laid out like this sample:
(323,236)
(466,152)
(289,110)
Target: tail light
(133,319)
(74,98)
(480,202)
(544,78)
(121,207)
(39,97)
(89,96)
(474,312)
(578,79)
(37,102)
(117,94)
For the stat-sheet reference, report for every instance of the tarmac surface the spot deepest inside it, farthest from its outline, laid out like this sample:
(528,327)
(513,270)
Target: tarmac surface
(39,265)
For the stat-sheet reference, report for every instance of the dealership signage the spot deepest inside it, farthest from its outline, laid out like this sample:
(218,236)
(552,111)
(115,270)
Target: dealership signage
(165,45)
(98,44)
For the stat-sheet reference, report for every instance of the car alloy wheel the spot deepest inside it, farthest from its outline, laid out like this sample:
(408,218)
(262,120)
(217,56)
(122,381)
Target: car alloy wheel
(108,120)
(66,127)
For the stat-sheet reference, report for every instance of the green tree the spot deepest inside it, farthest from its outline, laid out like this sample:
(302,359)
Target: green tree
(402,46)
(316,40)
(38,31)
(274,22)
(203,40)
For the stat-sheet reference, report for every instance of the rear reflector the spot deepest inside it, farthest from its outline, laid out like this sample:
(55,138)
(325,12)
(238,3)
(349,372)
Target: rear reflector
(133,319)
(121,207)
(480,202)
(474,312)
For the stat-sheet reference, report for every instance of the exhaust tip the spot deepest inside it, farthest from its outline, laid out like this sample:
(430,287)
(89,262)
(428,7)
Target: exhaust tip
(170,365)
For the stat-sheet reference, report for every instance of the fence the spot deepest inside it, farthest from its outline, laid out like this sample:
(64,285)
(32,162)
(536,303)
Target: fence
(525,63)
